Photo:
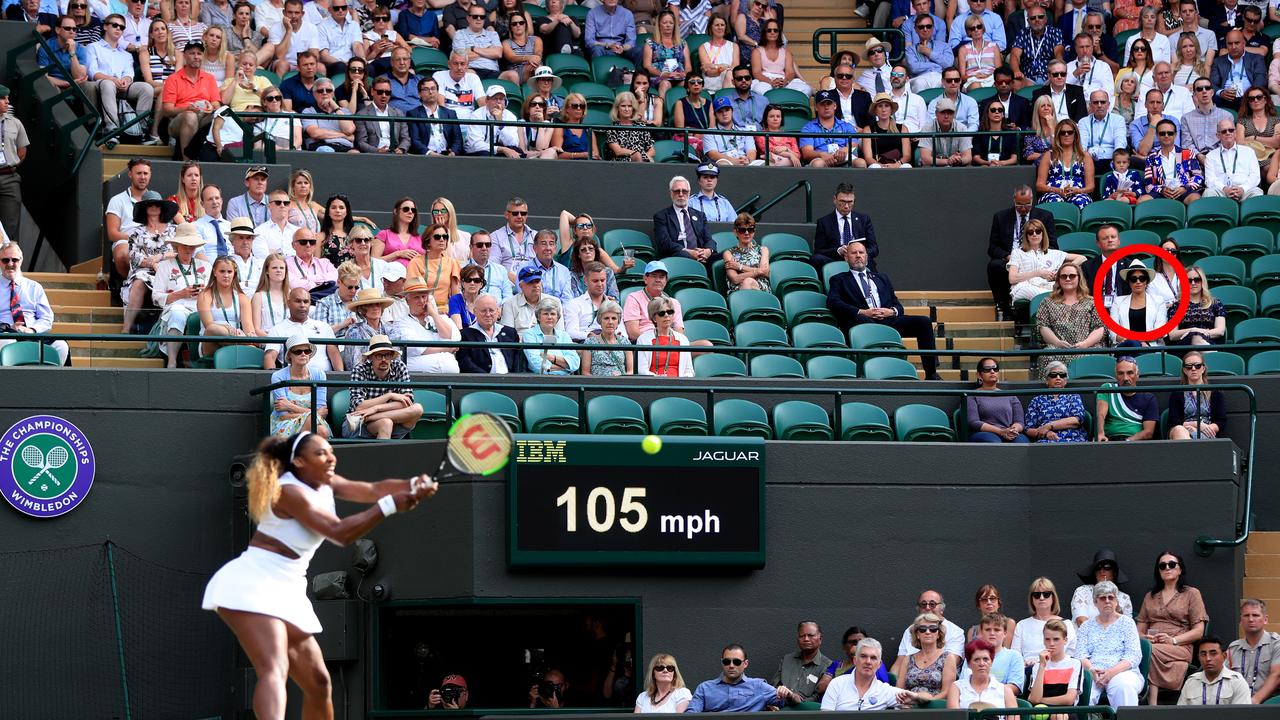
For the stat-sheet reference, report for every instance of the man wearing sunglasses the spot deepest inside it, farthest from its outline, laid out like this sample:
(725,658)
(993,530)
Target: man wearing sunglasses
(1199,127)
(69,54)
(25,306)
(928,56)
(481,43)
(1068,100)
(276,234)
(1017,109)
(111,78)
(325,135)
(340,38)
(381,136)
(429,138)
(497,282)
(931,601)
(733,691)
(913,111)
(1034,47)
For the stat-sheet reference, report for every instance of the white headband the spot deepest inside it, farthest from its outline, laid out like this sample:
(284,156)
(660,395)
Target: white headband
(293,452)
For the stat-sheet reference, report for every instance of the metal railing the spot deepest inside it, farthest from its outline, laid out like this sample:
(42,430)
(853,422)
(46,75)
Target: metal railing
(750,205)
(832,36)
(1083,712)
(26,83)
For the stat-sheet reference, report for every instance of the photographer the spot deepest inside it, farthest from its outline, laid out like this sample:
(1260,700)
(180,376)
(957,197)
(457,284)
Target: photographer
(550,692)
(451,695)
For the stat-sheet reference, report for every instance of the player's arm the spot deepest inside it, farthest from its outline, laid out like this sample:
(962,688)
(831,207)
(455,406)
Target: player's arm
(369,492)
(346,530)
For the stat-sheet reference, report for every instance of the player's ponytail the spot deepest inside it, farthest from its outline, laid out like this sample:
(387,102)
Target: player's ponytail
(264,474)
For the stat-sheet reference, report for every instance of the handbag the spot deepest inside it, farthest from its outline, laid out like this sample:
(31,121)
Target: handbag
(323,290)
(128,116)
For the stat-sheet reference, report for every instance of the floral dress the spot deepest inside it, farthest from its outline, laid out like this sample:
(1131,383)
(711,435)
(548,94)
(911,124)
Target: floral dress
(607,362)
(1203,318)
(287,427)
(750,258)
(631,140)
(1071,323)
(755,32)
(666,58)
(335,249)
(928,678)
(1034,144)
(1047,408)
(142,243)
(1061,175)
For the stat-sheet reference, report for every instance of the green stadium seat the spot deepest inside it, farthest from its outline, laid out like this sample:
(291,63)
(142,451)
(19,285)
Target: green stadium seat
(683,272)
(830,367)
(861,422)
(805,306)
(238,357)
(577,12)
(873,336)
(1269,303)
(434,423)
(669,151)
(514,90)
(829,271)
(776,366)
(24,353)
(1106,211)
(703,304)
(759,333)
(1247,243)
(1066,216)
(1262,212)
(1092,367)
(339,405)
(1257,330)
(430,59)
(1159,365)
(677,416)
(1080,243)
(1139,237)
(194,357)
(693,41)
(1213,213)
(786,246)
(1222,270)
(601,66)
(1275,700)
(536,11)
(922,423)
(889,368)
(270,76)
(1034,305)
(786,276)
(1194,244)
(1161,216)
(928,94)
(708,330)
(619,239)
(470,228)
(724,239)
(980,94)
(597,117)
(793,121)
(719,365)
(1224,364)
(1265,363)
(615,415)
(1241,303)
(493,403)
(549,413)
(801,420)
(788,98)
(740,418)
(745,305)
(1265,272)
(595,91)
(571,67)
(814,335)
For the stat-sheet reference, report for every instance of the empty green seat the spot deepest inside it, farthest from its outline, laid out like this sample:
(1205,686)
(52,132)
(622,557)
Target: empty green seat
(1263,212)
(493,403)
(804,306)
(1066,216)
(1265,363)
(1222,270)
(434,423)
(549,413)
(719,365)
(724,239)
(601,66)
(776,366)
(1194,244)
(1105,212)
(25,353)
(874,336)
(1247,243)
(787,98)
(801,420)
(1269,303)
(758,333)
(786,246)
(1241,303)
(889,368)
(787,276)
(830,270)
(708,330)
(702,304)
(830,367)
(339,403)
(683,272)
(197,360)
(1159,365)
(1092,367)
(428,59)
(677,416)
(1224,364)
(1264,272)
(615,415)
(1139,237)
(1080,243)
(238,357)
(571,67)
(922,423)
(1215,214)
(861,421)
(761,305)
(669,151)
(741,418)
(619,239)
(1257,330)
(1161,216)
(817,335)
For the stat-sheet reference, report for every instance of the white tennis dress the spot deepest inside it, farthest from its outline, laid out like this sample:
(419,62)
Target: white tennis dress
(266,582)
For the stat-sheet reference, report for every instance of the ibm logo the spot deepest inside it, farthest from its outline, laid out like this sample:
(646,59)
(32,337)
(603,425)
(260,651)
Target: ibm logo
(541,451)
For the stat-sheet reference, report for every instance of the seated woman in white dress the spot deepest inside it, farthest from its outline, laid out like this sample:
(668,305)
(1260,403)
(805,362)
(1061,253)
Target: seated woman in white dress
(426,323)
(664,690)
(980,690)
(177,282)
(225,309)
(1028,636)
(1033,264)
(1105,566)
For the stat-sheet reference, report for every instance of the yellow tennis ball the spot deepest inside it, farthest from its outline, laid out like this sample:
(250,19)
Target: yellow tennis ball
(1040,717)
(651,444)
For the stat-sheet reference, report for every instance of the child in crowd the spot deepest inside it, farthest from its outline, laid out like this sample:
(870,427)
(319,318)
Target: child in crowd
(1121,183)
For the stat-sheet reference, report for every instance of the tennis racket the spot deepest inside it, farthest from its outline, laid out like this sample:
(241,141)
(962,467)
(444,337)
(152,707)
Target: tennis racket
(56,458)
(479,445)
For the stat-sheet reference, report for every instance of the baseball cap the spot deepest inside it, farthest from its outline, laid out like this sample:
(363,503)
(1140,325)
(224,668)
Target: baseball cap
(945,103)
(454,679)
(824,96)
(721,103)
(256,170)
(654,266)
(495,90)
(395,271)
(530,272)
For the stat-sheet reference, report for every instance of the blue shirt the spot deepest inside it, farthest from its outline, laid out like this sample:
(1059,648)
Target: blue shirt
(618,27)
(822,138)
(295,92)
(63,57)
(748,111)
(409,24)
(1138,128)
(496,281)
(281,375)
(1007,668)
(940,57)
(747,695)
(717,208)
(992,30)
(404,95)
(1102,137)
(913,37)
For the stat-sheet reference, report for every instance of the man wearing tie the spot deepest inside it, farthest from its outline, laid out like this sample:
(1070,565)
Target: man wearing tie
(865,296)
(213,228)
(837,229)
(432,138)
(1006,231)
(680,229)
(1113,283)
(23,303)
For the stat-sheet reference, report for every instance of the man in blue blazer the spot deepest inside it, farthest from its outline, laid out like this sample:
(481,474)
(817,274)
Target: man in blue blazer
(837,229)
(432,138)
(1234,73)
(679,229)
(865,296)
(488,329)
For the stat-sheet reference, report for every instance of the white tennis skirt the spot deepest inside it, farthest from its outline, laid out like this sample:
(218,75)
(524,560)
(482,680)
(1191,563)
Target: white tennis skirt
(261,581)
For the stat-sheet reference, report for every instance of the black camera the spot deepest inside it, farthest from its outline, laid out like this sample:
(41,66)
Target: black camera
(449,694)
(548,690)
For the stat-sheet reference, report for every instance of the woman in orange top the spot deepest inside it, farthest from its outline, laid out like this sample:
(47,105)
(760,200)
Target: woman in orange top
(190,186)
(438,269)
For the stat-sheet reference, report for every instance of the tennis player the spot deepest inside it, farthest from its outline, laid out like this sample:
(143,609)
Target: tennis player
(262,595)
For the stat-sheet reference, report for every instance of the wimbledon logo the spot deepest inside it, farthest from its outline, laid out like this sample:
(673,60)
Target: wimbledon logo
(46,466)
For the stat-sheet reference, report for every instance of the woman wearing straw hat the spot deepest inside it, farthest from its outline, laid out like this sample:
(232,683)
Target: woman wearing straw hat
(888,152)
(368,306)
(426,323)
(1136,311)
(377,412)
(148,245)
(177,282)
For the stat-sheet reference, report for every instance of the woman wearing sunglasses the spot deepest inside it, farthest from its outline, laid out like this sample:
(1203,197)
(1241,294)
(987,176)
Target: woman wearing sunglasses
(747,263)
(1028,635)
(928,673)
(664,690)
(442,272)
(994,418)
(987,600)
(1104,568)
(1206,320)
(1065,172)
(1056,416)
(1173,618)
(1068,318)
(1137,311)
(1033,265)
(1196,414)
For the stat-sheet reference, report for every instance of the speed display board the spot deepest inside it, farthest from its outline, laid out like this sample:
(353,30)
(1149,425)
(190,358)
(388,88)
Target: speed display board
(602,501)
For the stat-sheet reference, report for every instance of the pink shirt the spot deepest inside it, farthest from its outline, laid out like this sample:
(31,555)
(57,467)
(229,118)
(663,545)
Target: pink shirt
(308,275)
(391,243)
(637,308)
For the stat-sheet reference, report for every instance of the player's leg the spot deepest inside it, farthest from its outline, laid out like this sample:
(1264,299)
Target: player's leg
(264,640)
(306,667)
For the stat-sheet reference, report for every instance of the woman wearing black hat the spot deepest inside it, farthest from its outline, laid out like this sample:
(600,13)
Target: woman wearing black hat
(148,246)
(1104,567)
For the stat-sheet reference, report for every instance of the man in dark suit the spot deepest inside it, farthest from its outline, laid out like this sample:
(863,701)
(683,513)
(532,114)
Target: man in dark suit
(680,229)
(1017,109)
(28,11)
(1236,72)
(864,296)
(369,131)
(432,138)
(1071,22)
(488,329)
(1065,97)
(837,229)
(1006,230)
(856,100)
(1113,284)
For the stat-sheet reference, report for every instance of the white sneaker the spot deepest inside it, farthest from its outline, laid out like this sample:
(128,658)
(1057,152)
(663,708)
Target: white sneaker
(862,11)
(354,423)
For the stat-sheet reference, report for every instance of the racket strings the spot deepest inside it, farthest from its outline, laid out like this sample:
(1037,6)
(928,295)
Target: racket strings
(479,444)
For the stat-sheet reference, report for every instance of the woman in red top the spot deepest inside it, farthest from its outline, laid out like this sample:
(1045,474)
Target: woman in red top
(662,314)
(190,186)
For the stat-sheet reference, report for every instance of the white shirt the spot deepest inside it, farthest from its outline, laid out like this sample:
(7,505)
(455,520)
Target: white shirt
(314,329)
(136,31)
(461,96)
(868,78)
(377,270)
(1028,637)
(1097,77)
(912,110)
(498,361)
(37,314)
(1160,50)
(476,138)
(338,38)
(171,275)
(250,272)
(842,695)
(865,283)
(306,37)
(1177,102)
(116,62)
(204,226)
(1102,137)
(954,643)
(580,317)
(273,239)
(121,205)
(1059,100)
(265,14)
(1234,167)
(436,142)
(384,128)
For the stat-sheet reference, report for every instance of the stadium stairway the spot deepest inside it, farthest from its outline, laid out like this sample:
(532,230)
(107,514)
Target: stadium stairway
(1262,571)
(80,306)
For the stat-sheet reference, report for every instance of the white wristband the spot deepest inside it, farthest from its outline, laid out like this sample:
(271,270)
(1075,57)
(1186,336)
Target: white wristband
(387,505)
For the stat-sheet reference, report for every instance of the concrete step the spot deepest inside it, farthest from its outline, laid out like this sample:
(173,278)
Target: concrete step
(107,348)
(116,362)
(944,297)
(957,329)
(1264,542)
(90,266)
(85,328)
(1260,565)
(65,281)
(78,313)
(79,297)
(1262,587)
(949,315)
